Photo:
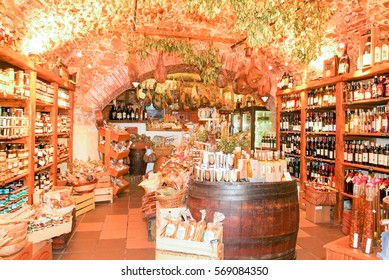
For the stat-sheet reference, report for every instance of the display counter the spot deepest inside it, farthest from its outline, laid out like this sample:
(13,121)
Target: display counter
(261,219)
(340,250)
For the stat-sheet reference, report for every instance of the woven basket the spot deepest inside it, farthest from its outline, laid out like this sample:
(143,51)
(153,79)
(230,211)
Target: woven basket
(163,151)
(172,201)
(326,197)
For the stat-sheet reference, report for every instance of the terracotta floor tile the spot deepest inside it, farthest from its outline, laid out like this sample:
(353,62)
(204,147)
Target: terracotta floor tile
(81,245)
(140,254)
(137,224)
(304,255)
(93,219)
(114,225)
(116,219)
(111,244)
(77,256)
(113,234)
(89,227)
(302,233)
(142,242)
(85,235)
(134,212)
(309,243)
(137,232)
(109,255)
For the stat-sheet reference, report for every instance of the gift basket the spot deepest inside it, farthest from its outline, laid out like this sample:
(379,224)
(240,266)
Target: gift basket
(320,192)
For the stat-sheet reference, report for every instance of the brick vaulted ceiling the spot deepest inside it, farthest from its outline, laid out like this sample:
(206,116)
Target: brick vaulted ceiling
(101,30)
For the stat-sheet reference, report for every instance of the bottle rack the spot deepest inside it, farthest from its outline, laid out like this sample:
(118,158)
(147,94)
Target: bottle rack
(340,110)
(32,89)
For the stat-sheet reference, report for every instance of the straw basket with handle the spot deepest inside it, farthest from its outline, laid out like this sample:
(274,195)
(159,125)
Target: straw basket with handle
(318,192)
(173,185)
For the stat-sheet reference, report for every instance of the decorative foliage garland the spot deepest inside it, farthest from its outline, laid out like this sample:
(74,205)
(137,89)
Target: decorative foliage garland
(207,61)
(295,26)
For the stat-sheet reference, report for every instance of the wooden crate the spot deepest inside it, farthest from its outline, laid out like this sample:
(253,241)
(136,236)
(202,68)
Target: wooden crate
(84,203)
(104,188)
(42,250)
(24,254)
(48,233)
(104,194)
(176,249)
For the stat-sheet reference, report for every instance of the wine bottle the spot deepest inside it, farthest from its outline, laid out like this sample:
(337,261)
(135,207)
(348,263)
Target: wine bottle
(144,115)
(344,62)
(385,50)
(366,57)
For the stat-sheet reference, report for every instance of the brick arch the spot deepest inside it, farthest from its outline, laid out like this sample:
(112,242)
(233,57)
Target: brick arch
(118,81)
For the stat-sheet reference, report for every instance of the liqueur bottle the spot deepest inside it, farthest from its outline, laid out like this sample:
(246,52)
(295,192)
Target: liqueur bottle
(366,57)
(344,62)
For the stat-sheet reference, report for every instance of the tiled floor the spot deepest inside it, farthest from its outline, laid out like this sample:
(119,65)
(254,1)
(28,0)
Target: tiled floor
(118,231)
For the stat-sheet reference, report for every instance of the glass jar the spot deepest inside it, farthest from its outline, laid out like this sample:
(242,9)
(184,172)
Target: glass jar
(368,225)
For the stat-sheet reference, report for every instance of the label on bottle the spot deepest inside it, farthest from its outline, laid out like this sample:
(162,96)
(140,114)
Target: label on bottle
(368,246)
(341,68)
(377,54)
(355,243)
(366,59)
(385,52)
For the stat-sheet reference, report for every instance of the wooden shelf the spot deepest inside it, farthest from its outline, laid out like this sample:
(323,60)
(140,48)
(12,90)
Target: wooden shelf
(366,167)
(114,136)
(163,129)
(63,159)
(43,167)
(120,173)
(286,111)
(313,133)
(320,159)
(290,132)
(127,121)
(21,61)
(113,154)
(63,135)
(13,179)
(13,139)
(353,76)
(373,134)
(292,155)
(321,108)
(44,135)
(371,102)
(346,194)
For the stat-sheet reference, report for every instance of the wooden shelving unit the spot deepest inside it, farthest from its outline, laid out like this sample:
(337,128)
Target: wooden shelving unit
(11,59)
(340,135)
(108,154)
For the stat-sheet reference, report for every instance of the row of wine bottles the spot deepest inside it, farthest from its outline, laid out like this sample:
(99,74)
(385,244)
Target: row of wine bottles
(366,153)
(366,89)
(122,111)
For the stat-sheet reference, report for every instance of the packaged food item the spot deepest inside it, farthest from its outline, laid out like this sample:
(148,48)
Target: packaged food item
(214,230)
(171,228)
(200,227)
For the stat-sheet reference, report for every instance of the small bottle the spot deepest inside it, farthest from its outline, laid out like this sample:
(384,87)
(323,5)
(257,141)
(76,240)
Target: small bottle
(366,57)
(344,62)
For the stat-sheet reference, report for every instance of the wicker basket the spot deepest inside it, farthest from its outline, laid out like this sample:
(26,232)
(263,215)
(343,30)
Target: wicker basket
(324,197)
(163,151)
(172,201)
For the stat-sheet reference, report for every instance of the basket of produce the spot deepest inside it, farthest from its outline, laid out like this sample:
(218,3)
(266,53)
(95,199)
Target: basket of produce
(85,187)
(172,190)
(170,198)
(319,192)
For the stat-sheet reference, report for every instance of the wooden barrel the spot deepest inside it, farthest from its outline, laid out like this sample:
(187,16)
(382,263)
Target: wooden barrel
(261,219)
(137,164)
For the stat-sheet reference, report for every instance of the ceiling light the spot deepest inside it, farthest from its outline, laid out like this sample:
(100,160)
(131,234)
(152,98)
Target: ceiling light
(135,84)
(79,54)
(89,66)
(270,67)
(341,45)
